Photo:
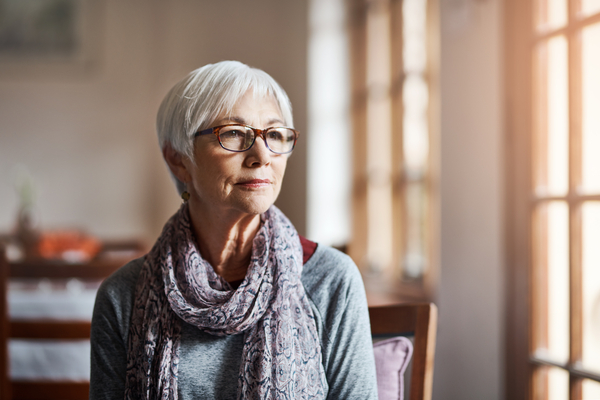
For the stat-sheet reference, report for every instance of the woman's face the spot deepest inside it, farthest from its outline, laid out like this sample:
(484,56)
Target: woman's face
(246,182)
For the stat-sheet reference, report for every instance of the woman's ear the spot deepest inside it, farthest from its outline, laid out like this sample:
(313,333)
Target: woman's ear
(176,163)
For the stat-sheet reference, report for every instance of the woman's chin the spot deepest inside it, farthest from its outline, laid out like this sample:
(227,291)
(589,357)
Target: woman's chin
(256,208)
(253,205)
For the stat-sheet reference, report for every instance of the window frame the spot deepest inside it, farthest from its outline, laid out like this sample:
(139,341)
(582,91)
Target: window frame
(389,286)
(522,126)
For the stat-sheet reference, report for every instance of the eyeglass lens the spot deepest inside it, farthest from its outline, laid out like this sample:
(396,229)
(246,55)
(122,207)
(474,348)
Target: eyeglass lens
(240,138)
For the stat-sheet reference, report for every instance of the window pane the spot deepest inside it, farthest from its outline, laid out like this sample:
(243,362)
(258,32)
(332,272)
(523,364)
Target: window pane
(591,108)
(551,383)
(415,95)
(553,121)
(415,140)
(558,384)
(591,285)
(591,389)
(552,14)
(415,257)
(590,7)
(552,281)
(379,251)
(414,24)
(379,197)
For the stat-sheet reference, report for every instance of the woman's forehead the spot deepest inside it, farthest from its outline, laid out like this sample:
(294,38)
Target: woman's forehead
(250,106)
(245,121)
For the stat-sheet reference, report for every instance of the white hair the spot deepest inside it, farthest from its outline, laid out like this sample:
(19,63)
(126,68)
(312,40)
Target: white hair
(196,101)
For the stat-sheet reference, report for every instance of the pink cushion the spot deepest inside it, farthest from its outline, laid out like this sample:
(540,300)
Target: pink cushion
(391,359)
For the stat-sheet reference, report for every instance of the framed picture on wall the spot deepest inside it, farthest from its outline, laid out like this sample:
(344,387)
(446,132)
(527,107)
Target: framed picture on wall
(48,33)
(33,27)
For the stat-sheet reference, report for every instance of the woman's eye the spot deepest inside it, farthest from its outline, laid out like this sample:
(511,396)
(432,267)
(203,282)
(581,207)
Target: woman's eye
(275,135)
(233,133)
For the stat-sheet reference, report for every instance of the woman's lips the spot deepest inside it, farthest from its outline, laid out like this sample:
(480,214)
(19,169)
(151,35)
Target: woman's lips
(255,183)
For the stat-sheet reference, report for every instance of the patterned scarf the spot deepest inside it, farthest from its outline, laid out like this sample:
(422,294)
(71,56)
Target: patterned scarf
(282,353)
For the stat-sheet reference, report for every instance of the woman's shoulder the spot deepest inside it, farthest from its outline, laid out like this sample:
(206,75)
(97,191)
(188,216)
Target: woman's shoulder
(326,260)
(114,300)
(330,275)
(122,280)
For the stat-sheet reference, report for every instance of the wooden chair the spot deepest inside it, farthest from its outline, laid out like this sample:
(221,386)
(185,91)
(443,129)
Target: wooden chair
(99,268)
(419,321)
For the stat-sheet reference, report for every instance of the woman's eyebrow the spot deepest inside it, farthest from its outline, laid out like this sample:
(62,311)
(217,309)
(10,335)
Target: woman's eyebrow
(242,121)
(239,120)
(275,121)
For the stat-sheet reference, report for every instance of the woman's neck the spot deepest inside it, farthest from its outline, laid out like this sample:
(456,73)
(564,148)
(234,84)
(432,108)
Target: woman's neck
(225,241)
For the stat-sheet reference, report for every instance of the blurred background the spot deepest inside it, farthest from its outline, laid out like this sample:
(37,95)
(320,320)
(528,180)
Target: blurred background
(80,123)
(78,146)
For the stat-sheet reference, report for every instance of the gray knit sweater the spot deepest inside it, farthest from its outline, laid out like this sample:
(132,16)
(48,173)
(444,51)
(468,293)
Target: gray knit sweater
(209,365)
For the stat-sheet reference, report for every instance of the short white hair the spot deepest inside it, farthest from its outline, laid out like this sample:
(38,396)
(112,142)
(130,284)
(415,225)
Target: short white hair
(196,101)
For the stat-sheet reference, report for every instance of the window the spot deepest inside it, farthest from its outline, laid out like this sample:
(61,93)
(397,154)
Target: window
(553,121)
(394,113)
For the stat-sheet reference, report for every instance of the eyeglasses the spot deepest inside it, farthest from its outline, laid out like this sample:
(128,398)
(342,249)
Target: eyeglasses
(238,138)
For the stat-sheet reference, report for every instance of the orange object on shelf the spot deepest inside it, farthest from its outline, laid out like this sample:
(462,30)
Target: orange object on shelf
(72,246)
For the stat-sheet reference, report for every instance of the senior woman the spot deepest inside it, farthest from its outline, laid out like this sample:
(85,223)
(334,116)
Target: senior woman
(231,303)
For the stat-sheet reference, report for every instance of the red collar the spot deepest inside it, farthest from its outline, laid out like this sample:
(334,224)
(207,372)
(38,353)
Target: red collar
(308,249)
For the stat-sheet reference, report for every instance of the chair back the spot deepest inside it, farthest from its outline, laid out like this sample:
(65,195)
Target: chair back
(420,322)
(97,269)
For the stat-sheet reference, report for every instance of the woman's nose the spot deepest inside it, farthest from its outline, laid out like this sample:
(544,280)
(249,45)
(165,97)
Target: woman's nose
(259,154)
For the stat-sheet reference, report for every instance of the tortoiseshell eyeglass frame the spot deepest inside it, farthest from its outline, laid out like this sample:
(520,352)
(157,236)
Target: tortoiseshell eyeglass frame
(257,132)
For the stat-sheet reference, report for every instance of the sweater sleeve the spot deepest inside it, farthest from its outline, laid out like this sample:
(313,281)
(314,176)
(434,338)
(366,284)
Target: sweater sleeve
(110,327)
(335,286)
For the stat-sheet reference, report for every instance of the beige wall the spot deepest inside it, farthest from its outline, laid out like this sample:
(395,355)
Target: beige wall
(469,359)
(86,133)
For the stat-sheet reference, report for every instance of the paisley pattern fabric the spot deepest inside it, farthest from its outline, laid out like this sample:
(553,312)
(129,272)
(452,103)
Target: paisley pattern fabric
(282,352)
